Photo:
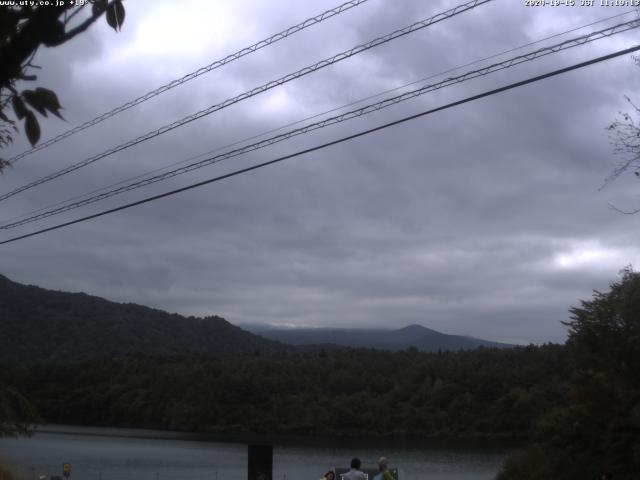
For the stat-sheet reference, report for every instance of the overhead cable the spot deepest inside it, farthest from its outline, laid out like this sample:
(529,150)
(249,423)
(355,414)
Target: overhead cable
(190,76)
(505,88)
(255,91)
(311,117)
(526,57)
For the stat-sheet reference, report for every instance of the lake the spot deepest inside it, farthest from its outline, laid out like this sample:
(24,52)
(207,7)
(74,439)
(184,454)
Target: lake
(122,454)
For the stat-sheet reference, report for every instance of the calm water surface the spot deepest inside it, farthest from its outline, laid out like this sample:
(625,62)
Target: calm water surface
(96,455)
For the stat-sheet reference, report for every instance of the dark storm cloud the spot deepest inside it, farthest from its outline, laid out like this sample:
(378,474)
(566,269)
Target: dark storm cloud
(484,220)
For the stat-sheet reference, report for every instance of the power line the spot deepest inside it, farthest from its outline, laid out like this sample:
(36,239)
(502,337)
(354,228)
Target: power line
(578,41)
(334,142)
(257,90)
(201,71)
(32,213)
(317,115)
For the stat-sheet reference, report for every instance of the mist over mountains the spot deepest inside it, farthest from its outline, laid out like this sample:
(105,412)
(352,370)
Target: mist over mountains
(40,324)
(422,338)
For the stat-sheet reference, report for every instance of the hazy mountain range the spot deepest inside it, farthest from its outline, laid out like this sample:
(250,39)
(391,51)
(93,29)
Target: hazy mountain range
(36,323)
(417,336)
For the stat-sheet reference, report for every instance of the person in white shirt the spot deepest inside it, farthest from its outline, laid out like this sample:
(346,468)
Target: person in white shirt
(355,473)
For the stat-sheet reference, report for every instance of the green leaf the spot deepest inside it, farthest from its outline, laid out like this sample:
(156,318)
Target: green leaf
(32,128)
(115,15)
(32,99)
(50,98)
(18,107)
(52,32)
(43,100)
(98,7)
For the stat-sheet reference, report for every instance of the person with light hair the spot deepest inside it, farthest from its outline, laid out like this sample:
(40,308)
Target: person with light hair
(383,467)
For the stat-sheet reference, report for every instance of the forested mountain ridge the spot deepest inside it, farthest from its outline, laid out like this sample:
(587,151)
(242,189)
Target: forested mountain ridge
(422,338)
(36,323)
(578,404)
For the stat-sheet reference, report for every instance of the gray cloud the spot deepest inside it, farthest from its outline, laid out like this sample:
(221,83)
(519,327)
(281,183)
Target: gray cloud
(485,219)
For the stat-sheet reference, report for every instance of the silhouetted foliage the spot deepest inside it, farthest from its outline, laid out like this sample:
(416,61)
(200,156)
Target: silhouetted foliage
(624,134)
(23,29)
(578,404)
(17,414)
(597,429)
(481,393)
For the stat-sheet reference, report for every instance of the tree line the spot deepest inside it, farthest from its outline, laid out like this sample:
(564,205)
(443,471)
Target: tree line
(487,392)
(577,405)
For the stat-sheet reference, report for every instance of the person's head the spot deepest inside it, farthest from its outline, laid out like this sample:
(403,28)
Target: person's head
(383,463)
(355,463)
(330,475)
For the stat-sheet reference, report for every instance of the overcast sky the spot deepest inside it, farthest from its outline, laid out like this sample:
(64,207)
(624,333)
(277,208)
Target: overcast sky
(484,220)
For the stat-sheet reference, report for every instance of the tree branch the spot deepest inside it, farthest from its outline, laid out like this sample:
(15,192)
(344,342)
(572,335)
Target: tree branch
(625,212)
(80,28)
(74,13)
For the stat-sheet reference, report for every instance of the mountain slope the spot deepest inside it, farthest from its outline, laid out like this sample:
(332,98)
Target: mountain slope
(424,339)
(36,323)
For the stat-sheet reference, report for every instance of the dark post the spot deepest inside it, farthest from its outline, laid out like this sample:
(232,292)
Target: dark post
(260,462)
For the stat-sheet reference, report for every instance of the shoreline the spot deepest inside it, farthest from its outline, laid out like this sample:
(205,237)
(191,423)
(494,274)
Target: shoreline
(406,441)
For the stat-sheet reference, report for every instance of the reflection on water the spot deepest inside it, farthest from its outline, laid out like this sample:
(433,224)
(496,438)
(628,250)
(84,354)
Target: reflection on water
(125,458)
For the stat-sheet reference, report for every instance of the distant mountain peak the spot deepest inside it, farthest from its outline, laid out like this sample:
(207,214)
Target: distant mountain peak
(415,328)
(415,335)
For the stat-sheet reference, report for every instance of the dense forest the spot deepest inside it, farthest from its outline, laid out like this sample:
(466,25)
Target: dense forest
(349,392)
(577,405)
(37,323)
(594,429)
